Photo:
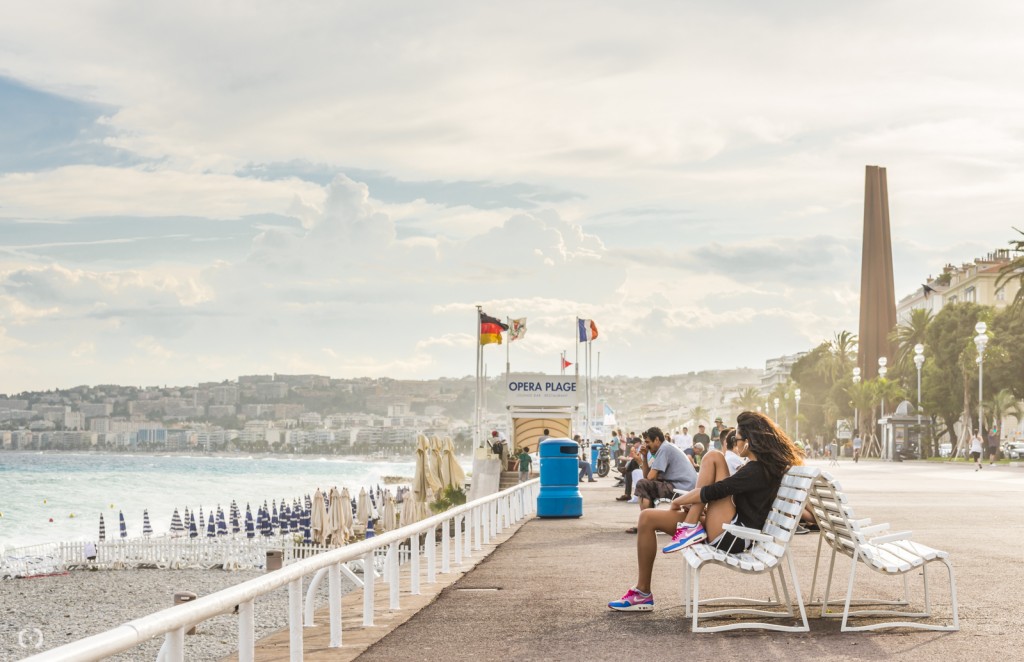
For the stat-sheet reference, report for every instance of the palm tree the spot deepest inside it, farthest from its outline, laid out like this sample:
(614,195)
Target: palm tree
(863,398)
(907,336)
(842,355)
(748,399)
(700,415)
(1014,270)
(1003,404)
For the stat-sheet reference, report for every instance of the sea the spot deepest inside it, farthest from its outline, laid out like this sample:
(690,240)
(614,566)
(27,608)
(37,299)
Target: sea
(55,497)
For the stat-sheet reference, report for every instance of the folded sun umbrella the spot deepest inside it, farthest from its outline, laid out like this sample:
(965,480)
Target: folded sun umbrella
(103,529)
(193,532)
(235,518)
(250,527)
(147,529)
(202,520)
(123,526)
(177,528)
(211,527)
(222,524)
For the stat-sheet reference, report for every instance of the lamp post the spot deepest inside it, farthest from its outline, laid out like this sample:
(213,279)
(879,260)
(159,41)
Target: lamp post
(881,375)
(776,410)
(919,361)
(980,341)
(796,396)
(856,411)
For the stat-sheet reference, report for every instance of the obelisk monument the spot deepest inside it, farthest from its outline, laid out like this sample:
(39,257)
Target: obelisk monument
(877,293)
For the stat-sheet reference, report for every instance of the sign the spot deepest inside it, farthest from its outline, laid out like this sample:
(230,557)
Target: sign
(523,390)
(843,431)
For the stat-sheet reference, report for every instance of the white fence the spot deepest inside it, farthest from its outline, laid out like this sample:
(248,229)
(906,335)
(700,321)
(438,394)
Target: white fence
(463,529)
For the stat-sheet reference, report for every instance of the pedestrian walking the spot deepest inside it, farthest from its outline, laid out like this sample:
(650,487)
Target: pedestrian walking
(976,449)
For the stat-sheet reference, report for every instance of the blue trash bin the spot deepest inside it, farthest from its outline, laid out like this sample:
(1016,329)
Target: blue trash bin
(595,452)
(559,479)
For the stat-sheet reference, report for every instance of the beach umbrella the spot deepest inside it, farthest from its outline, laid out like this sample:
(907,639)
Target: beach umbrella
(275,523)
(177,528)
(222,523)
(389,515)
(436,450)
(307,527)
(266,529)
(235,518)
(409,513)
(103,529)
(122,525)
(193,532)
(346,514)
(211,526)
(363,513)
(452,473)
(250,528)
(335,523)
(202,520)
(295,523)
(423,480)
(147,529)
(318,518)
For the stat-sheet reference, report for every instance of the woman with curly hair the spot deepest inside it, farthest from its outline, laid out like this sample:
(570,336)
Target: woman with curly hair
(744,498)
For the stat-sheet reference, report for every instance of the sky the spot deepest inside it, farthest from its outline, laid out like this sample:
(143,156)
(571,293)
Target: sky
(194,191)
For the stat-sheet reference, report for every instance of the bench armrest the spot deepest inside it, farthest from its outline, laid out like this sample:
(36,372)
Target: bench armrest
(892,537)
(876,528)
(747,534)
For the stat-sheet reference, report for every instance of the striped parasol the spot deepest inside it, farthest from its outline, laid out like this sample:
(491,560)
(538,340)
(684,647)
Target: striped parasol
(296,522)
(122,525)
(222,524)
(307,527)
(250,528)
(147,529)
(265,528)
(236,518)
(286,519)
(202,520)
(211,526)
(275,522)
(103,529)
(177,528)
(193,532)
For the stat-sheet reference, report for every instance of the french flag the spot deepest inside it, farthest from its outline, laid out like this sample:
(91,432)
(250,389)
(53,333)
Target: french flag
(588,330)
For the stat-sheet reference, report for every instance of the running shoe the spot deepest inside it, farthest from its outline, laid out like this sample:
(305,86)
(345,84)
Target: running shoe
(634,600)
(684,537)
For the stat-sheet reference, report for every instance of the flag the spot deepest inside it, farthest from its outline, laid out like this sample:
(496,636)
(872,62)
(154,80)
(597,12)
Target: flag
(490,329)
(587,329)
(565,364)
(609,416)
(518,329)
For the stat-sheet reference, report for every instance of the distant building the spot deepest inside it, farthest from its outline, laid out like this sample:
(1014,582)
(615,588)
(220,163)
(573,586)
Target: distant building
(973,281)
(777,371)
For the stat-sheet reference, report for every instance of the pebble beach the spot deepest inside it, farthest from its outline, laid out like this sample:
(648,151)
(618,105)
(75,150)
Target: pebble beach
(63,608)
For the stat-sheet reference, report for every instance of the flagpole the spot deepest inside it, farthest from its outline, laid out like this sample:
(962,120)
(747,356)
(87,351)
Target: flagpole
(587,420)
(577,343)
(477,440)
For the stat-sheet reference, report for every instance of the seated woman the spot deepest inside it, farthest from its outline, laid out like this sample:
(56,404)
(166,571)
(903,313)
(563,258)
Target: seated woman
(744,498)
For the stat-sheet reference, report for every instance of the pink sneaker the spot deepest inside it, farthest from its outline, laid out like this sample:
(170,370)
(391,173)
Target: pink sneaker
(634,600)
(684,537)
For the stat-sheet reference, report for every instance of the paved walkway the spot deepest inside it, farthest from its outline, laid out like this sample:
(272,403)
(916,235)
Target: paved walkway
(542,594)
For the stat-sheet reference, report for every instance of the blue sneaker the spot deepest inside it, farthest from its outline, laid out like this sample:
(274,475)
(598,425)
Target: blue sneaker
(634,600)
(684,537)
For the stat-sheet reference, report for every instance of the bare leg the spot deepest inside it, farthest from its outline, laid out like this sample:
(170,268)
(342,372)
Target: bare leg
(713,468)
(649,523)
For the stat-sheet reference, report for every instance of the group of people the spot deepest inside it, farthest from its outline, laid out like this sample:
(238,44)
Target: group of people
(735,483)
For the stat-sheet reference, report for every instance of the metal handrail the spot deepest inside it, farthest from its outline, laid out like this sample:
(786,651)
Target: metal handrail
(486,512)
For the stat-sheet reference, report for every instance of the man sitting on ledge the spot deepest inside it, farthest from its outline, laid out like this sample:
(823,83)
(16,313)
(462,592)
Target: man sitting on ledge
(669,471)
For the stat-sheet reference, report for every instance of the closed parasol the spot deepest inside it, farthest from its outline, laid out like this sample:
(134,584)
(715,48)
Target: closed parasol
(451,471)
(147,528)
(389,516)
(124,528)
(436,449)
(103,529)
(423,481)
(346,514)
(193,531)
(318,518)
(336,518)
(177,528)
(363,510)
(250,526)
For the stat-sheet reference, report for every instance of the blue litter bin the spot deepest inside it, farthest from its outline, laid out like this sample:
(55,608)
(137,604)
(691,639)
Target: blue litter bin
(595,451)
(559,479)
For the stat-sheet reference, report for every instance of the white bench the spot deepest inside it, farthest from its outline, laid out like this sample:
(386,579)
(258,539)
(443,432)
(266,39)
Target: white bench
(770,547)
(891,554)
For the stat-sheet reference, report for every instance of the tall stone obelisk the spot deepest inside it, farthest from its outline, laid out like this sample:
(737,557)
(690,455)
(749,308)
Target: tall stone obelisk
(877,293)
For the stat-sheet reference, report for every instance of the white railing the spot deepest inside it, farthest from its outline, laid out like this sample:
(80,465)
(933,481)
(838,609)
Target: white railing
(463,529)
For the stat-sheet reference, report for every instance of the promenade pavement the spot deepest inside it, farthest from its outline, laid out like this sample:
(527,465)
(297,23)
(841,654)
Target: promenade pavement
(542,594)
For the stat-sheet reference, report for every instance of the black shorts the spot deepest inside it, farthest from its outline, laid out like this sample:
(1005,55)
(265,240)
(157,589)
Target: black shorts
(729,543)
(975,456)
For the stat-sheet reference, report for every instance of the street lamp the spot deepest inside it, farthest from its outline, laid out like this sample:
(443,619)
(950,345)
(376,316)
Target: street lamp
(776,410)
(881,375)
(980,340)
(856,411)
(796,395)
(919,361)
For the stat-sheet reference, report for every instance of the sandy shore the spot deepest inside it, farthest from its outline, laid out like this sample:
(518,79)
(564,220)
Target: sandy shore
(64,608)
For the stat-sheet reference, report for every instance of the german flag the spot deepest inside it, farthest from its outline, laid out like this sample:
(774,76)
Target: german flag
(491,329)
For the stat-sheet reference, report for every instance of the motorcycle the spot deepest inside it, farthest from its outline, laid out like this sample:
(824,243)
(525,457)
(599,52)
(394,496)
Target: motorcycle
(604,461)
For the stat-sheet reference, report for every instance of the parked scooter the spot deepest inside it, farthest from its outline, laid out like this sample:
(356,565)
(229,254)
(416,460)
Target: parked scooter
(604,461)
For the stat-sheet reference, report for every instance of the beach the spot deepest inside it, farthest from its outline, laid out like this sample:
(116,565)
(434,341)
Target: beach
(64,608)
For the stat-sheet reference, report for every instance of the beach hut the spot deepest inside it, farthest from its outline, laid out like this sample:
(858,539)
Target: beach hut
(103,529)
(147,528)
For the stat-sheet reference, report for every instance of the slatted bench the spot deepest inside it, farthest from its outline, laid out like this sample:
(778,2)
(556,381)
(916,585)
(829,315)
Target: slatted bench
(769,550)
(892,554)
